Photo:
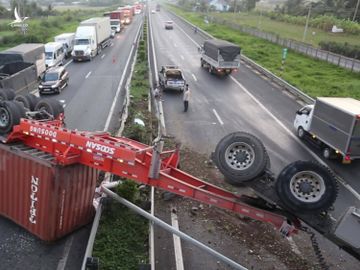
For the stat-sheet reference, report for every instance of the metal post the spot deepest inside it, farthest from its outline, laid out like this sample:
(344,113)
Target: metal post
(171,229)
(356,10)
(306,24)
(94,228)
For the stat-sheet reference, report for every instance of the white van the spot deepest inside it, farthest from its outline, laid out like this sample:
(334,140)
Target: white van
(67,39)
(54,54)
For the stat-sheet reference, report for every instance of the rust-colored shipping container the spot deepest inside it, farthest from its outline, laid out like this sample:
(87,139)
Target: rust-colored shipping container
(46,199)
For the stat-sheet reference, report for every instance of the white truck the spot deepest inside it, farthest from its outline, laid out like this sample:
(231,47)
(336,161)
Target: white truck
(91,37)
(220,57)
(333,123)
(67,39)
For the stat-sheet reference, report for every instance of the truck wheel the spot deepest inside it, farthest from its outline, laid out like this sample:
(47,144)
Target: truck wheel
(21,109)
(301,132)
(7,94)
(51,106)
(29,100)
(305,187)
(9,116)
(241,157)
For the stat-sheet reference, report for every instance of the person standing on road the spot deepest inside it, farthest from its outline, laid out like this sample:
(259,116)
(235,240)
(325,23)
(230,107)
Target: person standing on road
(186,97)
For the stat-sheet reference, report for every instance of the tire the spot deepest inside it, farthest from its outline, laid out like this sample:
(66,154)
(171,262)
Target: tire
(29,100)
(7,94)
(241,157)
(301,132)
(305,187)
(51,106)
(21,108)
(9,116)
(33,100)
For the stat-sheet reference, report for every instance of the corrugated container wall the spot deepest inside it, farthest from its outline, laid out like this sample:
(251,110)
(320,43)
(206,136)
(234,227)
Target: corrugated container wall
(46,199)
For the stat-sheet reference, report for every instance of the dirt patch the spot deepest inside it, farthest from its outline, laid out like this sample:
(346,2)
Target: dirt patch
(253,244)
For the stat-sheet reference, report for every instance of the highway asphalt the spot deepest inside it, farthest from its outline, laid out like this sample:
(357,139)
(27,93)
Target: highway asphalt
(88,100)
(245,101)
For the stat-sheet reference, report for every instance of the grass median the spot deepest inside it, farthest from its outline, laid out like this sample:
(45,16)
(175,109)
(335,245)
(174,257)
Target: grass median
(313,77)
(122,238)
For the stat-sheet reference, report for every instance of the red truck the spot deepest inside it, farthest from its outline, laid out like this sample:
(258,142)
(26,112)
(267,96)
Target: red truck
(117,19)
(128,14)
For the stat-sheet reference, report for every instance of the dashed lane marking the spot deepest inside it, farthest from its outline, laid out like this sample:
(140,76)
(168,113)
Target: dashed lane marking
(218,117)
(87,75)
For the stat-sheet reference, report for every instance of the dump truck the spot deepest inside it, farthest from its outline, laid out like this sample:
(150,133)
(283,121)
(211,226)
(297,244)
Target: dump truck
(220,57)
(91,37)
(33,53)
(333,124)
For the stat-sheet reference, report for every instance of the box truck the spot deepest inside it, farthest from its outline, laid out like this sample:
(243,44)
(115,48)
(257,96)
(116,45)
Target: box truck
(67,39)
(91,37)
(333,123)
(220,57)
(116,20)
(128,14)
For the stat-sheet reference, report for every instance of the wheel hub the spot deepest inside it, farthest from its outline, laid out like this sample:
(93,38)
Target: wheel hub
(307,186)
(239,156)
(4,118)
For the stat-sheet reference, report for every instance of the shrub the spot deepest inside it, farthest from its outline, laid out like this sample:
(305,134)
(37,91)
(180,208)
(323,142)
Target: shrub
(343,49)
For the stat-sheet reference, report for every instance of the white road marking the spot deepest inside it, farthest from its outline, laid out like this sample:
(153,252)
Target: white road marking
(182,57)
(195,79)
(111,112)
(34,92)
(316,157)
(102,57)
(177,242)
(68,63)
(62,263)
(87,75)
(218,117)
(62,100)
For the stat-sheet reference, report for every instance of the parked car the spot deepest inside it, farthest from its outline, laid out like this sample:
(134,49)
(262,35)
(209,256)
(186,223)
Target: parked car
(54,80)
(169,25)
(172,78)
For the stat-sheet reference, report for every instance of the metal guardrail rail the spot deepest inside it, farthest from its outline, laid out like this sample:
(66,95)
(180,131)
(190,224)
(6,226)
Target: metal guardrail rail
(292,89)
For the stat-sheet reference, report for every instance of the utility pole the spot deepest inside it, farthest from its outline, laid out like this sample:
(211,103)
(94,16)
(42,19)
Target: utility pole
(236,3)
(356,10)
(307,23)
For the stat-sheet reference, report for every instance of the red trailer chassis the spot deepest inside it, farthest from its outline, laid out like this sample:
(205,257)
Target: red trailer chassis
(131,159)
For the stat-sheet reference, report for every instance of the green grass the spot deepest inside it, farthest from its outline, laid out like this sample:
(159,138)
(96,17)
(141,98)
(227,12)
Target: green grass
(287,30)
(42,30)
(121,241)
(314,77)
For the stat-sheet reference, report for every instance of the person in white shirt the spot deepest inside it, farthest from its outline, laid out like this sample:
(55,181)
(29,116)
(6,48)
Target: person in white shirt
(186,97)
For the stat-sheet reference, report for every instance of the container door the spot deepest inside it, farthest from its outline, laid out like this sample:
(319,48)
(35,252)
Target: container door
(354,148)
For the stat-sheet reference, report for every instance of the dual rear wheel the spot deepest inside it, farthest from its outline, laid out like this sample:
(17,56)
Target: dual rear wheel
(302,186)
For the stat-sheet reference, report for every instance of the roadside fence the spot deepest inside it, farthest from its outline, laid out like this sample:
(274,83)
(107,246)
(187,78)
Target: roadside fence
(333,58)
